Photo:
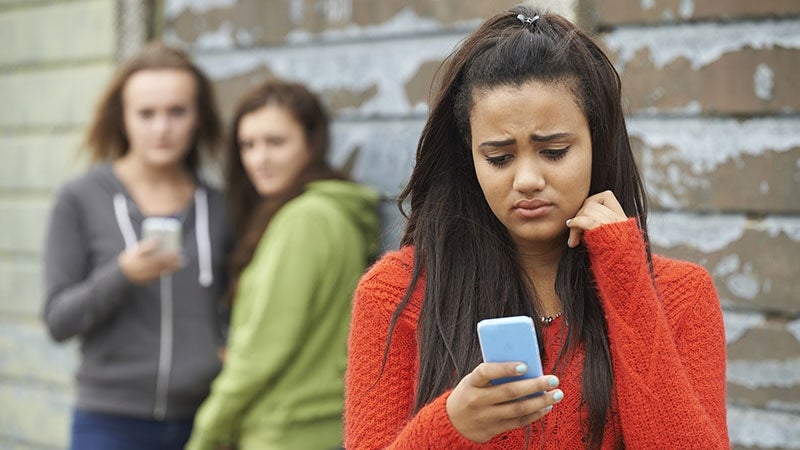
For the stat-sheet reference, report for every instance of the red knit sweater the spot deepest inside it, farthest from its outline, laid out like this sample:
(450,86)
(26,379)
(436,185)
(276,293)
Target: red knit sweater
(667,347)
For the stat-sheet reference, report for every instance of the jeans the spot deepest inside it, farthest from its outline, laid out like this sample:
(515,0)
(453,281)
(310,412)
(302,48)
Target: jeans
(98,431)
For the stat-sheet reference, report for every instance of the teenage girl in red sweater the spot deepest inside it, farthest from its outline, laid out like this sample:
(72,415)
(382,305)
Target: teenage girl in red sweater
(525,200)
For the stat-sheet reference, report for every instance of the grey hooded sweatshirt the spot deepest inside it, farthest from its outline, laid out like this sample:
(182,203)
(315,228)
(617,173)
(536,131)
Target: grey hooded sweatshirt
(148,351)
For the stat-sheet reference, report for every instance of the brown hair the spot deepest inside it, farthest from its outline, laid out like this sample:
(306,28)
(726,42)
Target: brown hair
(250,212)
(106,137)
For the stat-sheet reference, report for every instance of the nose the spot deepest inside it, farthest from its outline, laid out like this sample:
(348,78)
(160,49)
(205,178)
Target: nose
(161,123)
(529,176)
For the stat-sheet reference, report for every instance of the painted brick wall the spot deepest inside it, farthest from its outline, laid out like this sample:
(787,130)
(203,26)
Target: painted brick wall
(53,57)
(711,89)
(713,102)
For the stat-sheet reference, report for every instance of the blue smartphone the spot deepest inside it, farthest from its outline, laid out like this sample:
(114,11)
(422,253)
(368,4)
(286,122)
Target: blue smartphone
(508,339)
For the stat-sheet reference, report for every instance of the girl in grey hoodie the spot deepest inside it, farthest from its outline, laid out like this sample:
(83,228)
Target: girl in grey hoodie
(146,313)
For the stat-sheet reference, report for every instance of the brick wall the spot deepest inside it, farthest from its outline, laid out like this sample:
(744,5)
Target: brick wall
(53,58)
(712,92)
(710,86)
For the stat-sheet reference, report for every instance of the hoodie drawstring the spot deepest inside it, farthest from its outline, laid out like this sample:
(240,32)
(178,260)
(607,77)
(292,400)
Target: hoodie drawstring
(206,275)
(124,221)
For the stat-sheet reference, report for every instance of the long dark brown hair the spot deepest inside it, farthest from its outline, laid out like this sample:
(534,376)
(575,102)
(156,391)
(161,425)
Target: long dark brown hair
(106,137)
(250,212)
(471,267)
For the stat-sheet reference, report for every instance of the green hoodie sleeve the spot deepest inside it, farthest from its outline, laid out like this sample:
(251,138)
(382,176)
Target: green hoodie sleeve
(268,320)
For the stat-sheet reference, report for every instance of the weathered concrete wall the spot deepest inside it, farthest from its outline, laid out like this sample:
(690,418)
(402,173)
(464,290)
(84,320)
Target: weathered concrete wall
(54,57)
(711,89)
(712,92)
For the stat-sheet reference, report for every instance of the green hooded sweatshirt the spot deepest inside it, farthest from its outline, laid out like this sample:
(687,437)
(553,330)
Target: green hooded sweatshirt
(281,386)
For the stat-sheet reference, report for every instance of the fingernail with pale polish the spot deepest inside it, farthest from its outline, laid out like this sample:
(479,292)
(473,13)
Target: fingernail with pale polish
(568,221)
(558,395)
(553,381)
(522,368)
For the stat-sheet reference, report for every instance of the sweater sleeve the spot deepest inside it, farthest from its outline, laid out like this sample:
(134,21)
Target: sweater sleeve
(379,400)
(269,316)
(79,297)
(667,344)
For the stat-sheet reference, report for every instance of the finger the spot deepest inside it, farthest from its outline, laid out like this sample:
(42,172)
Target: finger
(575,234)
(522,421)
(529,406)
(522,389)
(485,372)
(147,246)
(609,200)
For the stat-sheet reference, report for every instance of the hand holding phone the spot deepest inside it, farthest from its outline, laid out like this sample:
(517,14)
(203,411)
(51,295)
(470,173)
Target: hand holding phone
(165,230)
(510,339)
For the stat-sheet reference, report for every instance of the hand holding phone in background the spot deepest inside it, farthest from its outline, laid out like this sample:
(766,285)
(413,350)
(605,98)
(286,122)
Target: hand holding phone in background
(157,253)
(508,389)
(165,230)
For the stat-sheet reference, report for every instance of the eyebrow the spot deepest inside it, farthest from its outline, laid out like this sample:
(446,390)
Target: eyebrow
(534,137)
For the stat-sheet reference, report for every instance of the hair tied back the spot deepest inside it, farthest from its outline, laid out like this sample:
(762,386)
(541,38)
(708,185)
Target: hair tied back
(526,20)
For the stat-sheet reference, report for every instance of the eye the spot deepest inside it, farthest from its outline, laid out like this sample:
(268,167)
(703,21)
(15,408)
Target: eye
(177,111)
(499,161)
(276,141)
(245,145)
(146,113)
(554,154)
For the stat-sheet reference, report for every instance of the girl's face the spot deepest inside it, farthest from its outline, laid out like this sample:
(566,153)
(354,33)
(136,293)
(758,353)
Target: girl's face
(532,153)
(160,115)
(273,148)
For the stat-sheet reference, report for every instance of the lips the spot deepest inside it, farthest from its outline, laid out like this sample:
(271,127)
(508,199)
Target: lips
(532,208)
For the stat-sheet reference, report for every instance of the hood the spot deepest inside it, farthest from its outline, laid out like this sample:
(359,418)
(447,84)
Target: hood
(360,202)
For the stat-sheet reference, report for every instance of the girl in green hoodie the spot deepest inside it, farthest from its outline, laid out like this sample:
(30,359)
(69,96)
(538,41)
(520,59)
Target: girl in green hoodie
(306,234)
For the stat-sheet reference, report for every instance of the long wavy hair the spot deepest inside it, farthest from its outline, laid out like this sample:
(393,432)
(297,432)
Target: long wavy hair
(250,212)
(106,137)
(464,252)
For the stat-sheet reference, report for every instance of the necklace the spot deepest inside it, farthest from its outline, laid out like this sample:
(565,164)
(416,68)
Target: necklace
(547,320)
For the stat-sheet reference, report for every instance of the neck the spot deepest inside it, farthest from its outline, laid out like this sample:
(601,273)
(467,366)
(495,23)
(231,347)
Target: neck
(134,169)
(541,266)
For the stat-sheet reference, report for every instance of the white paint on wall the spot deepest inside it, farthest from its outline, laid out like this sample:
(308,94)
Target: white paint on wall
(405,21)
(335,11)
(702,145)
(755,374)
(647,4)
(794,328)
(739,323)
(781,405)
(686,9)
(173,8)
(745,284)
(222,37)
(296,11)
(386,65)
(738,278)
(763,83)
(701,44)
(705,144)
(763,187)
(763,429)
(776,225)
(710,233)
(704,233)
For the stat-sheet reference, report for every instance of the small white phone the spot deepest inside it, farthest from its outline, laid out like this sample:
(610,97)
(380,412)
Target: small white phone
(510,339)
(166,230)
